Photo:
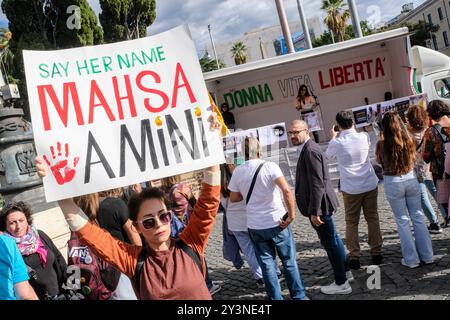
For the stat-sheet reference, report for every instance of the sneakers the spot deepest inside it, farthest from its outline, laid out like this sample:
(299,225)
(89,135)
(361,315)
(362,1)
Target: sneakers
(377,260)
(260,283)
(411,266)
(333,288)
(349,276)
(354,264)
(434,228)
(425,263)
(214,289)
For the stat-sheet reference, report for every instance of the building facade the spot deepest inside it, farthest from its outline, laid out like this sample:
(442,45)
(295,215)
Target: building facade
(435,12)
(260,42)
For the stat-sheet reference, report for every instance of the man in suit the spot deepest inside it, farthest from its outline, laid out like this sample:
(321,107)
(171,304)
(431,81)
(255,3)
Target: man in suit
(317,201)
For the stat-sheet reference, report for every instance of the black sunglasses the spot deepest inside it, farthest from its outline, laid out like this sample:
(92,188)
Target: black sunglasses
(150,222)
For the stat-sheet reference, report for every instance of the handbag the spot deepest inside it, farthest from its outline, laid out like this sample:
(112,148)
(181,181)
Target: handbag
(443,189)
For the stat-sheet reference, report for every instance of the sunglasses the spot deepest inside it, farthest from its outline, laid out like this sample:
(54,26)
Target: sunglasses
(291,133)
(149,223)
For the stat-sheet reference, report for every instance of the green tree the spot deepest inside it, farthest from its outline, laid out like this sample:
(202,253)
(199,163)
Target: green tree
(365,28)
(43,25)
(126,19)
(337,16)
(6,55)
(422,32)
(209,64)
(323,40)
(239,53)
(68,34)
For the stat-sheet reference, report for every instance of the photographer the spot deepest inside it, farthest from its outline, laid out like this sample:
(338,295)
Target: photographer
(359,185)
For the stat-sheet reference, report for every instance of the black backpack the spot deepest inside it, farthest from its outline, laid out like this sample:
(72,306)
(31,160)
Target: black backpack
(143,255)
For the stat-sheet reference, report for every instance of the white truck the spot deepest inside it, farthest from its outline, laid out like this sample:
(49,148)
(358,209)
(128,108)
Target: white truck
(340,75)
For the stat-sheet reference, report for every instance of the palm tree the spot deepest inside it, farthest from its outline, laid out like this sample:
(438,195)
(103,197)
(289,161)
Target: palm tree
(337,16)
(239,53)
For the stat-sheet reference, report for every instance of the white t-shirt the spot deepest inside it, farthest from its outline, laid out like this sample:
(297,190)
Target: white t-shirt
(236,214)
(265,207)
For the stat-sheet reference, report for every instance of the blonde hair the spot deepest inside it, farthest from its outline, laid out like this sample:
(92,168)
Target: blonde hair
(89,204)
(251,148)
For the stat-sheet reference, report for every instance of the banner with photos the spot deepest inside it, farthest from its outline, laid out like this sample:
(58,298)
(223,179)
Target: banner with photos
(366,115)
(271,135)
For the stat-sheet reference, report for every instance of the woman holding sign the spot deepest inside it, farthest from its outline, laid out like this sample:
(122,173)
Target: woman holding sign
(306,103)
(163,268)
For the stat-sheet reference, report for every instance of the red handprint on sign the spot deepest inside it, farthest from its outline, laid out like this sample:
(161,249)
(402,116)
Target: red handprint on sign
(61,171)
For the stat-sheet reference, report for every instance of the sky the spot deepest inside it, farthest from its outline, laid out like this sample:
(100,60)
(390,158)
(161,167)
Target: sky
(232,18)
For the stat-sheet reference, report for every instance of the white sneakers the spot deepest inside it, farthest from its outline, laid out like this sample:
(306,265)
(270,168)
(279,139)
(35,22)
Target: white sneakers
(411,266)
(349,276)
(333,288)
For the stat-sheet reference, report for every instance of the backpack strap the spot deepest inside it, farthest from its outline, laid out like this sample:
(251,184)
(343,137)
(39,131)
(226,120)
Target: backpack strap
(250,191)
(139,265)
(142,256)
(191,253)
(420,145)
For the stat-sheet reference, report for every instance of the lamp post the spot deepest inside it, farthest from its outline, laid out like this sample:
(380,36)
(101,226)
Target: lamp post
(213,46)
(355,18)
(285,26)
(304,24)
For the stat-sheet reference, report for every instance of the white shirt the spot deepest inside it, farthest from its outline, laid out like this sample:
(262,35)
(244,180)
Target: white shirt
(236,214)
(352,152)
(265,207)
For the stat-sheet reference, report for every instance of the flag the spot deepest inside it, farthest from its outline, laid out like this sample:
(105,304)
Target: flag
(219,116)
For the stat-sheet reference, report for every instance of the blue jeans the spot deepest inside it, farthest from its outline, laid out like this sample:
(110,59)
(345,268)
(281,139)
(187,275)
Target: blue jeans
(432,188)
(334,247)
(246,245)
(403,194)
(269,242)
(425,201)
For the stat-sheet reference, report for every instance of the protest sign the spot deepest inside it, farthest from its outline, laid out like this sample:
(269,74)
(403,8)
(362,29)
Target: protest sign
(117,114)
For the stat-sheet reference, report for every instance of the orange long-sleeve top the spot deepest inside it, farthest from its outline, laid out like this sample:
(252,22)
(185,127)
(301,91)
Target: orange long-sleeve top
(170,274)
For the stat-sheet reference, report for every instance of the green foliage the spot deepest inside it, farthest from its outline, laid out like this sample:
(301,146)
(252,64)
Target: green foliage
(37,28)
(337,16)
(126,19)
(323,40)
(208,64)
(365,28)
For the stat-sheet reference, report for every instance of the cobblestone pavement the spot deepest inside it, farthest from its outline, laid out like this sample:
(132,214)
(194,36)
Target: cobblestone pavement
(397,282)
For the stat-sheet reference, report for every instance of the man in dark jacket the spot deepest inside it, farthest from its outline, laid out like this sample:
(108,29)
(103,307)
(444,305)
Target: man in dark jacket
(317,201)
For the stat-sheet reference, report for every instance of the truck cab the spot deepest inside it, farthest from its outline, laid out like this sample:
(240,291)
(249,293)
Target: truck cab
(431,73)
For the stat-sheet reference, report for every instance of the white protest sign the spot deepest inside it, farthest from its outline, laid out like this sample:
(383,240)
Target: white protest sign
(117,114)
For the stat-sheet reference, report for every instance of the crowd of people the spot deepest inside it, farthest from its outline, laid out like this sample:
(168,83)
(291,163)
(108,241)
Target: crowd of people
(149,243)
